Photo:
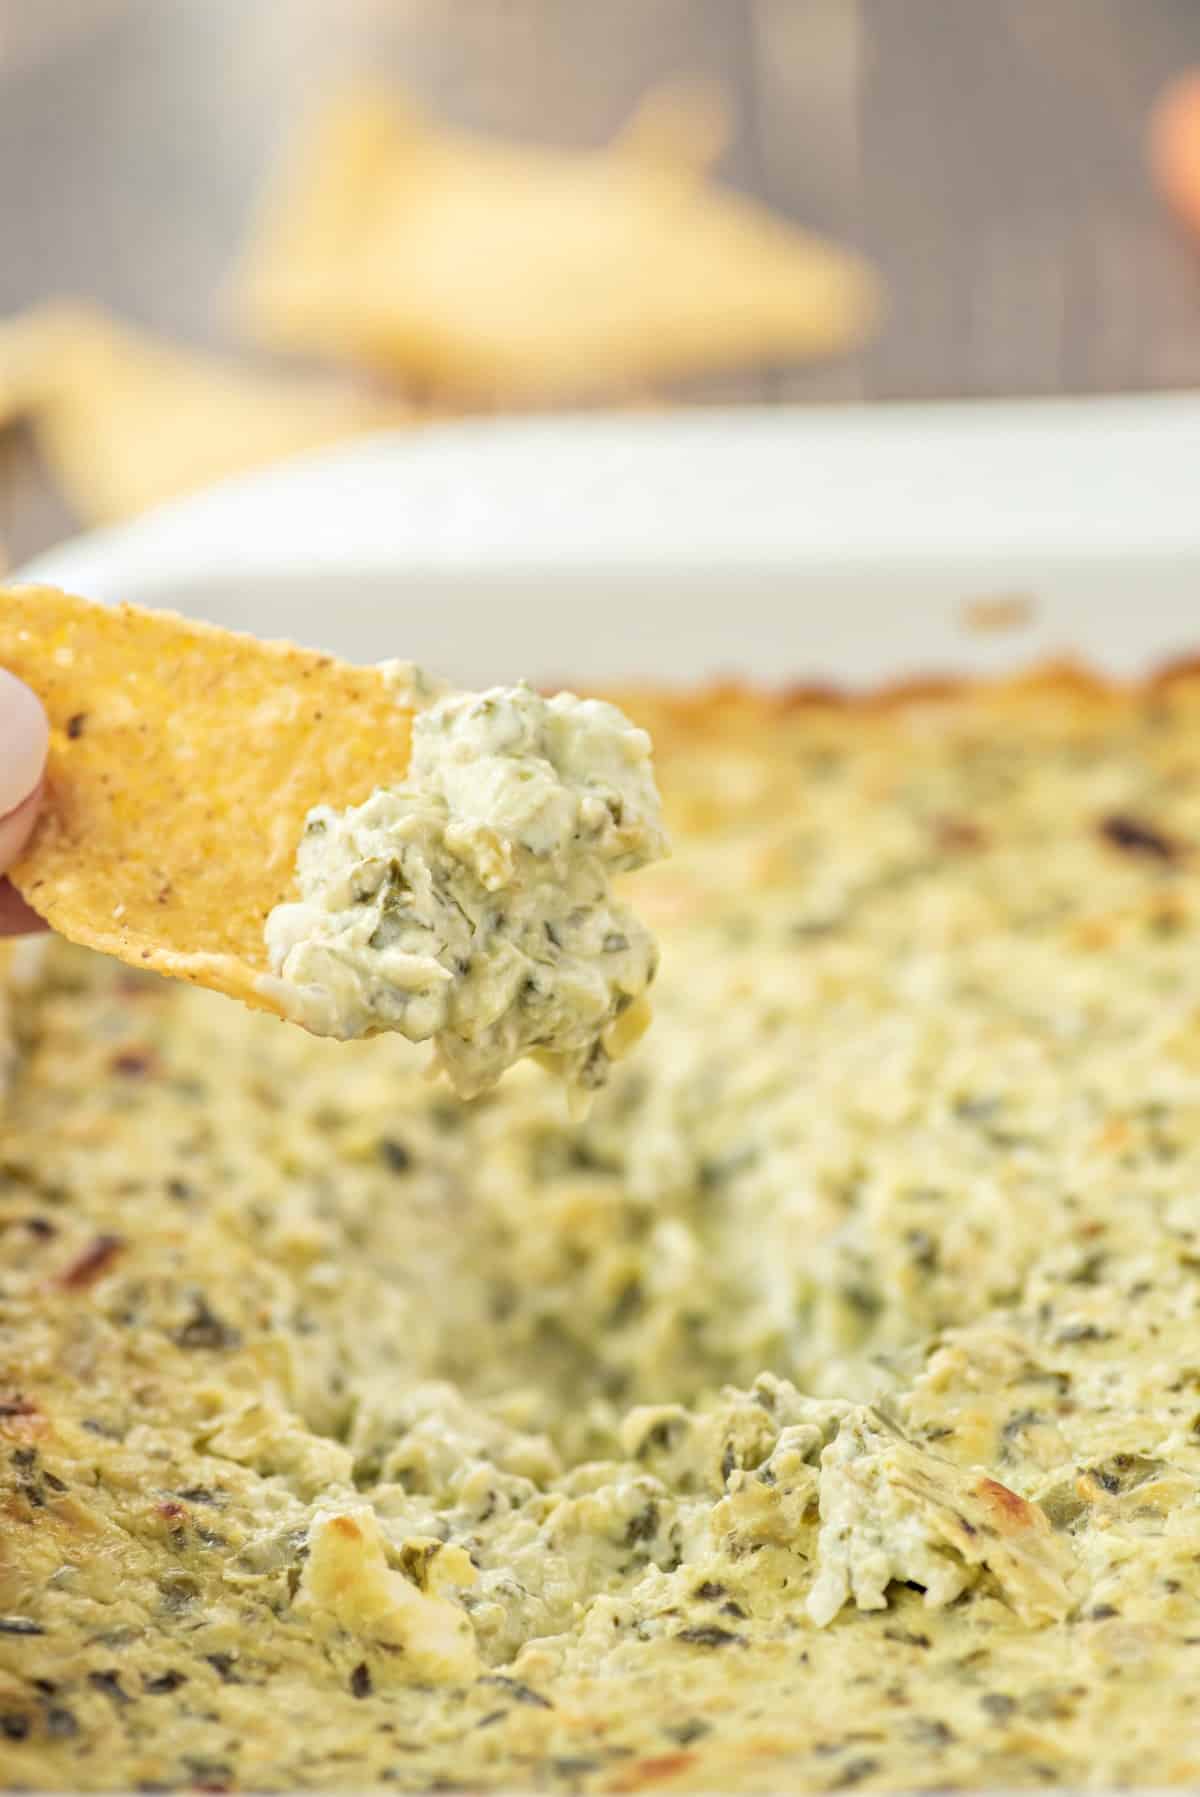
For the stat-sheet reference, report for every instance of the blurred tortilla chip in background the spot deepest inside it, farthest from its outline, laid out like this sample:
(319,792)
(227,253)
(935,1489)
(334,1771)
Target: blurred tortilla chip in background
(490,271)
(124,421)
(433,271)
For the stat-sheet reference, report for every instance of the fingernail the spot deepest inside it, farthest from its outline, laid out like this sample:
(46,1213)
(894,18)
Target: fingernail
(24,739)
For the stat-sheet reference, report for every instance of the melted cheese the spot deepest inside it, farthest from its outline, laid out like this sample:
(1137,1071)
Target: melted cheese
(822,1411)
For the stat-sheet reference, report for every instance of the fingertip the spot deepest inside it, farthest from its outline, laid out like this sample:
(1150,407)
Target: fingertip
(24,741)
(1173,141)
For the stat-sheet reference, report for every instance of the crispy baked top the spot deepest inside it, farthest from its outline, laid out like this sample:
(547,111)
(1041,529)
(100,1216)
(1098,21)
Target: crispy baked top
(820,1412)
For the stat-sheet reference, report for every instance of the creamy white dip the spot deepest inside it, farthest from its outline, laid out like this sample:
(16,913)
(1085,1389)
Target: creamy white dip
(471,906)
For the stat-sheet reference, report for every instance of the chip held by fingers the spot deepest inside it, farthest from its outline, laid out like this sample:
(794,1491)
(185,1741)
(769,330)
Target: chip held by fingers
(355,849)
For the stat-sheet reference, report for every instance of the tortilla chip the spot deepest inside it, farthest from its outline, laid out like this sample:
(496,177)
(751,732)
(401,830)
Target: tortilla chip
(28,347)
(492,270)
(183,762)
(125,421)
(686,123)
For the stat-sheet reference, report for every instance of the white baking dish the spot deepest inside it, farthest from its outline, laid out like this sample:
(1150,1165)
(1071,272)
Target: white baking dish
(780,546)
(783,545)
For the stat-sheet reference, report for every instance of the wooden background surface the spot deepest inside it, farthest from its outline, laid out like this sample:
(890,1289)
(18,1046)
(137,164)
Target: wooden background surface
(986,153)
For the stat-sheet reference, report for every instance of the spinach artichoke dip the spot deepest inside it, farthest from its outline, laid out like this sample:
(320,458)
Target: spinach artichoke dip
(472,905)
(821,1411)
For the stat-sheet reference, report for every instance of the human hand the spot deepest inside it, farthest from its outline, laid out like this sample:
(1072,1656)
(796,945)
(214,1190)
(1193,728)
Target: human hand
(24,737)
(1174,145)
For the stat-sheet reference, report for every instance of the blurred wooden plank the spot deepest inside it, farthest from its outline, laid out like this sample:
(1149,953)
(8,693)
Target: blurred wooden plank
(148,135)
(808,68)
(986,153)
(560,71)
(129,160)
(1006,199)
(30,34)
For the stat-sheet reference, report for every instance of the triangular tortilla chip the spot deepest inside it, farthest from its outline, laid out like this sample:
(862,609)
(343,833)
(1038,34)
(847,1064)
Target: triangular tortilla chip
(682,124)
(183,762)
(125,421)
(492,270)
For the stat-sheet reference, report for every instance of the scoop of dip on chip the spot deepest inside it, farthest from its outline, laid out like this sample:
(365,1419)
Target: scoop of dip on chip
(472,905)
(355,849)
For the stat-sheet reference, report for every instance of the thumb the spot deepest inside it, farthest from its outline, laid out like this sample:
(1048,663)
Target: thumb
(24,737)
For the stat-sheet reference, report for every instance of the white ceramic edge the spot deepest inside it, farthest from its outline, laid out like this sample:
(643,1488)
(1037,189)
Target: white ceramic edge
(742,489)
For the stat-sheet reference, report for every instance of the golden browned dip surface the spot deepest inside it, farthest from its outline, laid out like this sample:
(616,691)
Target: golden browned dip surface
(823,1411)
